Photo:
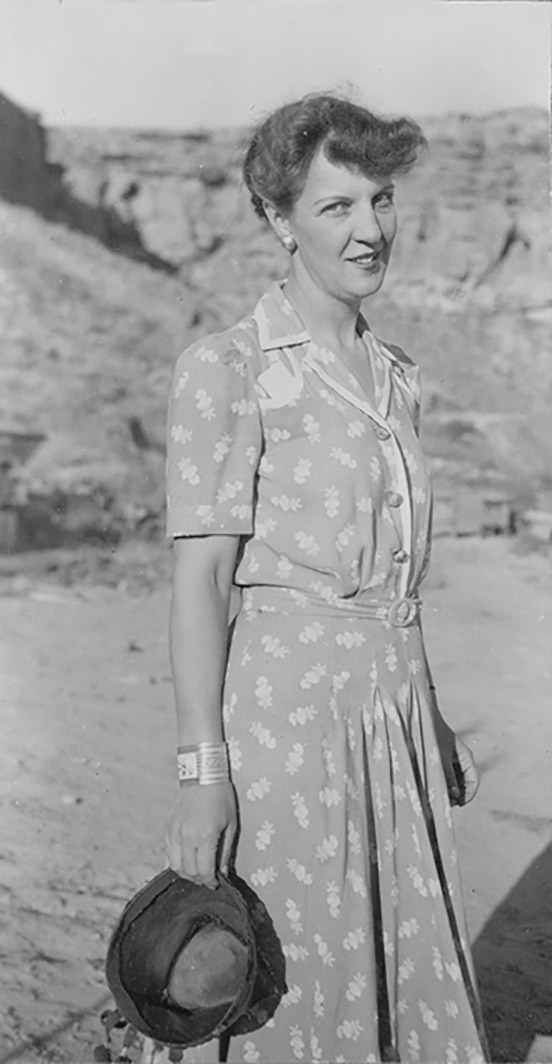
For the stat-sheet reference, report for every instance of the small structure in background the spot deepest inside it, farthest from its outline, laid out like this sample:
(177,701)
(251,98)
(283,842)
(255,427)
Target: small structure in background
(539,519)
(476,512)
(15,450)
(46,519)
(49,520)
(8,529)
(500,515)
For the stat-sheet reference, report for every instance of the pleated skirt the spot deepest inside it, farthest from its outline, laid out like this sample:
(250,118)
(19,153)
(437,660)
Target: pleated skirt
(346,834)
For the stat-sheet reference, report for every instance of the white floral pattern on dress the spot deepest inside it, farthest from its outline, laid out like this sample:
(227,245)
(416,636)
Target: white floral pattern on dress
(328,716)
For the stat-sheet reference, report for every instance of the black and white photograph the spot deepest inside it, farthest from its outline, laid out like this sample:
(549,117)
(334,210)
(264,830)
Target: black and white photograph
(275,532)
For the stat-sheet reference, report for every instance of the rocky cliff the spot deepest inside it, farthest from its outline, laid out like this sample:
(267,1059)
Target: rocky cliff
(30,176)
(26,175)
(90,337)
(472,212)
(470,266)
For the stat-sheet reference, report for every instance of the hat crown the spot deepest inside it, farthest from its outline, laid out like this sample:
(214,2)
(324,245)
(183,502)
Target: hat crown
(186,962)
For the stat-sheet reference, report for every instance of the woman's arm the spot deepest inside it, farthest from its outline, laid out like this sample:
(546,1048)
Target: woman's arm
(198,632)
(202,828)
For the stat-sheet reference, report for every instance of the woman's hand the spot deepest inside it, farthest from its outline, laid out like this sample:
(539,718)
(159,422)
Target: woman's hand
(466,773)
(201,831)
(458,763)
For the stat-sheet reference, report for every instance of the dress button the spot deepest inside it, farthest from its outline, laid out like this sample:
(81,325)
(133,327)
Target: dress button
(400,555)
(381,433)
(394,498)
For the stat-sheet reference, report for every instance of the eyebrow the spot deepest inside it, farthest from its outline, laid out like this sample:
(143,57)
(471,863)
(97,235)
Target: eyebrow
(336,196)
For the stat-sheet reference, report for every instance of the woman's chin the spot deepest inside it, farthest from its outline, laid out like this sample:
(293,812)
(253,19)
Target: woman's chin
(366,282)
(369,286)
(374,288)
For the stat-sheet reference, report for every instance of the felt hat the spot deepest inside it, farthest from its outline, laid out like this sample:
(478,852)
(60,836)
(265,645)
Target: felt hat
(187,963)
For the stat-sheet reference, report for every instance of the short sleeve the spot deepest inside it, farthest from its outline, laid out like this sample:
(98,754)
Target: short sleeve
(409,378)
(213,440)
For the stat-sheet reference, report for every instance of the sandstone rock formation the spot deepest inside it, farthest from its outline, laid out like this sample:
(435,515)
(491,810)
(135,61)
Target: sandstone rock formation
(471,213)
(28,176)
(90,337)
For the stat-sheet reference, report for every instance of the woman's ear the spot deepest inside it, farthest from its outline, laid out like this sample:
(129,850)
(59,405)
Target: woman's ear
(280,225)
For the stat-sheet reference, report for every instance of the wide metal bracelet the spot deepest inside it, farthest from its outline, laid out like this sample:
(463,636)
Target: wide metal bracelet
(205,763)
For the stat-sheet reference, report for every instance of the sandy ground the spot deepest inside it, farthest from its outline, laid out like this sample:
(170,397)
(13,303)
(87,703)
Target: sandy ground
(87,779)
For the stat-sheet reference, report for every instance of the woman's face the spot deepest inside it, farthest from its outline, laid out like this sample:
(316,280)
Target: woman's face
(344,225)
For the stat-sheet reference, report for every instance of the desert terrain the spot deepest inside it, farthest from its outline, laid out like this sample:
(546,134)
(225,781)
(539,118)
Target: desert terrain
(117,249)
(88,780)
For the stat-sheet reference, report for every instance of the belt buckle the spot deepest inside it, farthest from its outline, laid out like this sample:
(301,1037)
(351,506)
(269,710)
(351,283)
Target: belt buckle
(402,612)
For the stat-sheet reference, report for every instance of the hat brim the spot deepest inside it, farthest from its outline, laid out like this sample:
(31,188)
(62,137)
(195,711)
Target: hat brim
(152,931)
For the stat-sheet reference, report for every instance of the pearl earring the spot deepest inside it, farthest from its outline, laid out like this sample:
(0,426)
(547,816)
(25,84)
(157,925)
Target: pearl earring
(289,243)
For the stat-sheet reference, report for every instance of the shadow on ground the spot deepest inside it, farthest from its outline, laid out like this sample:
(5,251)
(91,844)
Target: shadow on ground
(512,957)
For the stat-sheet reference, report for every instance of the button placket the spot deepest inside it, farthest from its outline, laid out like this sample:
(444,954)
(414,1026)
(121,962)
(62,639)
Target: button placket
(405,511)
(400,500)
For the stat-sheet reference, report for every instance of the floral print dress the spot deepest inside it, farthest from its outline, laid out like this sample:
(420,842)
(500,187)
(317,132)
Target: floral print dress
(346,829)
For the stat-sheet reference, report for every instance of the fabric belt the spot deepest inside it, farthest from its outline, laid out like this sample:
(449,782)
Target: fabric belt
(400,612)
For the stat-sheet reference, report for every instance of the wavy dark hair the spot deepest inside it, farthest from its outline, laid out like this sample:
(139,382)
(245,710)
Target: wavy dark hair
(282,148)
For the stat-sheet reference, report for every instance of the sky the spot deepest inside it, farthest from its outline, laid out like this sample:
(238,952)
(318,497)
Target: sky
(188,63)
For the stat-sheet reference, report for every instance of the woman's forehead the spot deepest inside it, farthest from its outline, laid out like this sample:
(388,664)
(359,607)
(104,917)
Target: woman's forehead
(326,178)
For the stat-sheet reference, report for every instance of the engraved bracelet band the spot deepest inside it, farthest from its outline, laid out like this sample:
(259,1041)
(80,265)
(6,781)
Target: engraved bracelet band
(205,763)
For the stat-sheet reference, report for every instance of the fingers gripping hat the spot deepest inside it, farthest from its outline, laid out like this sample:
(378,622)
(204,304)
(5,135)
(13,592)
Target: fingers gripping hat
(187,963)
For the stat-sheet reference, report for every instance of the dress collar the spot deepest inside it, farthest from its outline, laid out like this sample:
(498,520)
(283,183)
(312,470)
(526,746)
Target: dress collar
(278,322)
(279,326)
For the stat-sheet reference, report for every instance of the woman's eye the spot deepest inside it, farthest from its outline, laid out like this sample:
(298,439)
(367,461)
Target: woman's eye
(339,207)
(385,200)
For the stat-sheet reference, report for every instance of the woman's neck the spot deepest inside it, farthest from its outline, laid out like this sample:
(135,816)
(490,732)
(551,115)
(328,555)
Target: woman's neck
(329,321)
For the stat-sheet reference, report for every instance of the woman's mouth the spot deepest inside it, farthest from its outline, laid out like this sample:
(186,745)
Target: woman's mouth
(367,261)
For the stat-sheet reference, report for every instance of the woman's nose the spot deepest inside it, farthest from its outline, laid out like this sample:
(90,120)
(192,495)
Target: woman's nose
(367,226)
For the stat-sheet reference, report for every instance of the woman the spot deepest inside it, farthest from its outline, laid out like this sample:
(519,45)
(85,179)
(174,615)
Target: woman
(295,473)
